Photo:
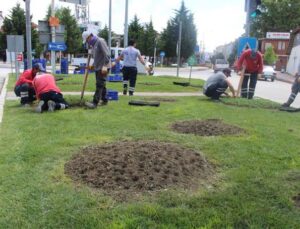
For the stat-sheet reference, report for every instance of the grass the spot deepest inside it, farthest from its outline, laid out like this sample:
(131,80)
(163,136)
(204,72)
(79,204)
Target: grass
(144,83)
(257,174)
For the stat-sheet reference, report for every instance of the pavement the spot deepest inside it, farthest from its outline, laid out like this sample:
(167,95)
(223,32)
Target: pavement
(285,77)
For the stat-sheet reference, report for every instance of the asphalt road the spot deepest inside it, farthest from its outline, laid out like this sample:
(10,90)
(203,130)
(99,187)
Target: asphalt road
(277,91)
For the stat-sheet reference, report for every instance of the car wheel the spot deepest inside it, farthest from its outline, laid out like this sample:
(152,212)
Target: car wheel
(272,79)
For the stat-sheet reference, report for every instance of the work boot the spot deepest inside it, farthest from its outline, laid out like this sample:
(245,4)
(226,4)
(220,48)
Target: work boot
(285,105)
(103,103)
(124,92)
(130,93)
(90,105)
(39,109)
(51,106)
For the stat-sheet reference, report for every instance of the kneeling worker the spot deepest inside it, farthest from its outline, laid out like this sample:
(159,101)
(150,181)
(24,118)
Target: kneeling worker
(217,84)
(48,93)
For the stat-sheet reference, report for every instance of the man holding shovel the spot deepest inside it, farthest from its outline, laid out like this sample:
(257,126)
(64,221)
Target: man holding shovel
(101,55)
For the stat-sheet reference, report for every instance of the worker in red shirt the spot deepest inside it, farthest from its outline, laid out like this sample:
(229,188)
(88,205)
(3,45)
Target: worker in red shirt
(252,61)
(48,93)
(24,87)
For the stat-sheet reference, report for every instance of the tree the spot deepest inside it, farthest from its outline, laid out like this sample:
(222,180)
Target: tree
(135,30)
(149,38)
(270,57)
(15,24)
(170,37)
(276,16)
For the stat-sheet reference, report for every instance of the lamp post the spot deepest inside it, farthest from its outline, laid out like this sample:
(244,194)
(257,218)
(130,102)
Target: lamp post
(52,38)
(179,47)
(28,34)
(126,25)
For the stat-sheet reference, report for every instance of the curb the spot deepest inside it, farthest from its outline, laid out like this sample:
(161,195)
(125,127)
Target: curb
(2,97)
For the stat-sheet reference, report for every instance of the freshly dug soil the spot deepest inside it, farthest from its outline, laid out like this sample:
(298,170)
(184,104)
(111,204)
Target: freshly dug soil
(209,127)
(297,200)
(130,167)
(160,99)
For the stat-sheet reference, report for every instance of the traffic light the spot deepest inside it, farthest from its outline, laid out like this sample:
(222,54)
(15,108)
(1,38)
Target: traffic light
(255,6)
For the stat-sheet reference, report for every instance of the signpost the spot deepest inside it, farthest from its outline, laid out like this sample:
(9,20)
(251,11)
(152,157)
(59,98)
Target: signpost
(15,43)
(250,42)
(57,46)
(191,62)
(162,54)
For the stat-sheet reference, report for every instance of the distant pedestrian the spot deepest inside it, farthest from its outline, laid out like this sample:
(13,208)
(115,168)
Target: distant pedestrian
(252,62)
(294,90)
(101,55)
(217,84)
(24,87)
(48,93)
(130,56)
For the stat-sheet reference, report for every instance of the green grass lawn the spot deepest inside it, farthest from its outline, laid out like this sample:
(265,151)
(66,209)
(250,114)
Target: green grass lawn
(144,83)
(257,173)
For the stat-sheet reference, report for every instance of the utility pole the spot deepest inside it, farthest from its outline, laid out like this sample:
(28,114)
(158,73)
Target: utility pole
(247,9)
(179,48)
(52,38)
(109,29)
(126,25)
(28,34)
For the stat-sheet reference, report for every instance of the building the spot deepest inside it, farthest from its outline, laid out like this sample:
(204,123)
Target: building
(226,49)
(294,52)
(280,43)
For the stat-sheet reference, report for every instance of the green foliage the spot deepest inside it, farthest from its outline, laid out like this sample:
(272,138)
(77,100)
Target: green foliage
(276,16)
(233,55)
(148,42)
(270,56)
(169,36)
(104,33)
(15,24)
(135,30)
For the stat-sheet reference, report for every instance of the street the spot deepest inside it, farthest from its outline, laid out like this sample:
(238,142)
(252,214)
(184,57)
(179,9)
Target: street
(277,91)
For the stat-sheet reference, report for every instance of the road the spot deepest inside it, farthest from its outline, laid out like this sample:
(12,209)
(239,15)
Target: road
(277,91)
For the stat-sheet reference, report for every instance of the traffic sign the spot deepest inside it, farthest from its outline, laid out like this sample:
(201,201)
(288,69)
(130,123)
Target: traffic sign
(192,60)
(162,53)
(57,46)
(250,42)
(20,57)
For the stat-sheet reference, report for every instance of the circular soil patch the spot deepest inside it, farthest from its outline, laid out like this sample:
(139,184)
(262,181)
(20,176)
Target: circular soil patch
(160,99)
(296,200)
(150,84)
(131,167)
(209,127)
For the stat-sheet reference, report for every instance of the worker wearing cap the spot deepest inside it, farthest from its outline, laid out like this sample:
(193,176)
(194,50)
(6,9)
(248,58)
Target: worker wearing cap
(101,55)
(24,87)
(129,56)
(252,62)
(48,93)
(217,84)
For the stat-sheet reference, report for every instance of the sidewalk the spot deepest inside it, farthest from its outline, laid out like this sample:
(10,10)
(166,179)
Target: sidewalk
(285,77)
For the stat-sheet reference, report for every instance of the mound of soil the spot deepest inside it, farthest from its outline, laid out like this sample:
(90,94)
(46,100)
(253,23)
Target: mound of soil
(209,127)
(150,84)
(297,200)
(136,167)
(160,99)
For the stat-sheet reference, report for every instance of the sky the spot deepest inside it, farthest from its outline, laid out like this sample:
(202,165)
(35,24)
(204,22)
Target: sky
(218,22)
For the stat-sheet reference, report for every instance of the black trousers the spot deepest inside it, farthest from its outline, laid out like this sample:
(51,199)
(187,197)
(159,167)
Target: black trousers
(248,91)
(216,90)
(100,93)
(54,96)
(129,75)
(26,93)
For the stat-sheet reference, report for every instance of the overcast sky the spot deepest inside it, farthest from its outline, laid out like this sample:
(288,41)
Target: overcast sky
(217,21)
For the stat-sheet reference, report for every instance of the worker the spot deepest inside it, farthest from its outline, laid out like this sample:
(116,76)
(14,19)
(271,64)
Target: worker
(49,95)
(294,90)
(101,55)
(217,84)
(129,56)
(252,62)
(24,87)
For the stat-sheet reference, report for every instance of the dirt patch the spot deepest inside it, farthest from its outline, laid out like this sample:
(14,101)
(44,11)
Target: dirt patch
(128,168)
(160,99)
(150,84)
(209,127)
(296,200)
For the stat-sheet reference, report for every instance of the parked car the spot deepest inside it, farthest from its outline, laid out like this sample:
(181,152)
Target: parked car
(268,73)
(220,64)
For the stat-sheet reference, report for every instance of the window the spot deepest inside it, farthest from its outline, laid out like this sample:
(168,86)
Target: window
(267,45)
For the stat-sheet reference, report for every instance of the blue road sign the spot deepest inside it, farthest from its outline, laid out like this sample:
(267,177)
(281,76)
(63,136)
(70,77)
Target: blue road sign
(250,42)
(162,53)
(57,46)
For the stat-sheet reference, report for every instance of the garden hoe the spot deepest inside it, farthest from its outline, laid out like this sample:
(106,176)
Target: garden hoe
(86,74)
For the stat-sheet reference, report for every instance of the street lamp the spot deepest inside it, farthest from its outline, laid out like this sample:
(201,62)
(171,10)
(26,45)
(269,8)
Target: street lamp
(28,34)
